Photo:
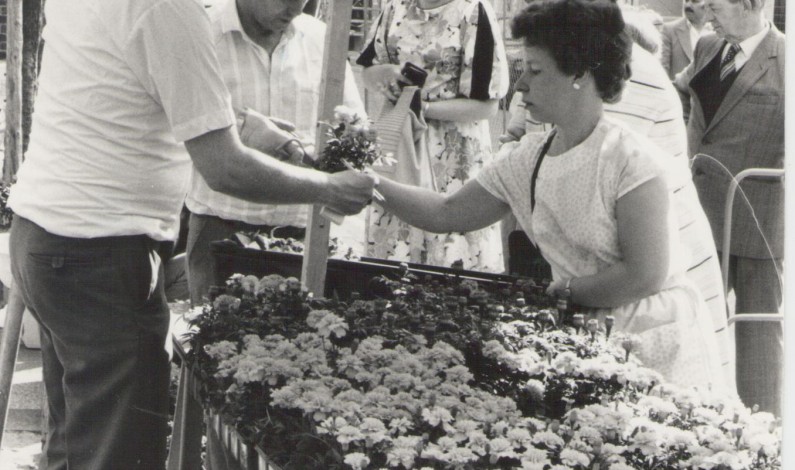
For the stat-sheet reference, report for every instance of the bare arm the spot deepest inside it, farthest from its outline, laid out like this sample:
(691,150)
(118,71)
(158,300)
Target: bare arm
(470,208)
(642,216)
(232,168)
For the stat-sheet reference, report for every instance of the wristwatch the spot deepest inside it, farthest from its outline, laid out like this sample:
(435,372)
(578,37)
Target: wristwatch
(566,292)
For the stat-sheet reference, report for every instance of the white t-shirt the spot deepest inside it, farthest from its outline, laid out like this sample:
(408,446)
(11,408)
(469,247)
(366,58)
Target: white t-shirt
(122,84)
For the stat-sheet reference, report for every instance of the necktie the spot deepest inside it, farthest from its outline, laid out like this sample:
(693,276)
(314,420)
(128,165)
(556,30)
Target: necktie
(727,64)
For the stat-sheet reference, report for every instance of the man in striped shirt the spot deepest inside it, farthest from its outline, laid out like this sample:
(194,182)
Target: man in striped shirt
(271,57)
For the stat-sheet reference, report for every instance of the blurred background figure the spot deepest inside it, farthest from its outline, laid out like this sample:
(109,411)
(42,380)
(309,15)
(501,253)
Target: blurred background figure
(680,37)
(736,86)
(459,44)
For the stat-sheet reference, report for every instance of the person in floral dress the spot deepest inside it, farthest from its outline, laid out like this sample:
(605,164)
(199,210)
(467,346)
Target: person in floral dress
(459,44)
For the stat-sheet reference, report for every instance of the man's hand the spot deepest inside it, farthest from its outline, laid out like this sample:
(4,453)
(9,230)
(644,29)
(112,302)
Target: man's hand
(350,191)
(270,135)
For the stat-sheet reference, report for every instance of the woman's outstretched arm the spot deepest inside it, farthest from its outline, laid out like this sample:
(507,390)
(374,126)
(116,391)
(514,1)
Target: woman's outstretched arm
(470,208)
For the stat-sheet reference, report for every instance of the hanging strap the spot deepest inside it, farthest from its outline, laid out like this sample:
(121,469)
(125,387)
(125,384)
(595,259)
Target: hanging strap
(540,158)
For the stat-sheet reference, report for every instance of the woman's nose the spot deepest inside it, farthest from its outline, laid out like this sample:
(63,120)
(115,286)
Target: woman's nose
(521,84)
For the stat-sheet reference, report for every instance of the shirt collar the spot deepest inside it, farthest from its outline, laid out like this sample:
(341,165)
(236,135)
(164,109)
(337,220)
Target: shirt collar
(749,45)
(229,19)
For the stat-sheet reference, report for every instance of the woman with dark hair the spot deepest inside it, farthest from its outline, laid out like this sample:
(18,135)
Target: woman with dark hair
(591,194)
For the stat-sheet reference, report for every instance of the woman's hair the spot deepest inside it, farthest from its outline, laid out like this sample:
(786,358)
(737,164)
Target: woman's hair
(581,36)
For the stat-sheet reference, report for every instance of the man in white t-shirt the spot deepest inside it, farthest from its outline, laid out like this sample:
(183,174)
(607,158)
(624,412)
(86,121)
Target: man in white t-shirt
(270,56)
(123,83)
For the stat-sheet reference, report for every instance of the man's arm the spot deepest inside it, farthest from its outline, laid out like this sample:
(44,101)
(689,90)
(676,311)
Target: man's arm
(232,168)
(682,84)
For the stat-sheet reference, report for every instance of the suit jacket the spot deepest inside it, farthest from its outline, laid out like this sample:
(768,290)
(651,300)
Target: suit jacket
(677,51)
(747,131)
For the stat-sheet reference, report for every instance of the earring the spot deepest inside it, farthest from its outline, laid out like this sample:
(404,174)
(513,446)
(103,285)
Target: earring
(575,85)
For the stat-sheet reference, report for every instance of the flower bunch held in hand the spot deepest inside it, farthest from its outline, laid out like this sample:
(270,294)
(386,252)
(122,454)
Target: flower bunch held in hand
(352,143)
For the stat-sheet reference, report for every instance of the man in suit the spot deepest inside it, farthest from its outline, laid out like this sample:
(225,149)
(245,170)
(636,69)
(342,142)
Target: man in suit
(736,85)
(679,37)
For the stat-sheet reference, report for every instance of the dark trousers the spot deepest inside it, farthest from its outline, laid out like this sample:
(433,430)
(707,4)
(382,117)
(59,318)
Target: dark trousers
(104,321)
(760,345)
(203,229)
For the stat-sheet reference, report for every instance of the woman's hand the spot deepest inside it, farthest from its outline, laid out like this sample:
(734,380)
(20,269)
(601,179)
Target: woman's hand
(385,79)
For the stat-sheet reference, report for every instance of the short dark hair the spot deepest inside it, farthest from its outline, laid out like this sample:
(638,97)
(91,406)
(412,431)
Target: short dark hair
(581,36)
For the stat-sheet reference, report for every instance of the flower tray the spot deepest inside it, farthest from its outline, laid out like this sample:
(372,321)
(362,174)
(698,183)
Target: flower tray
(342,276)
(247,455)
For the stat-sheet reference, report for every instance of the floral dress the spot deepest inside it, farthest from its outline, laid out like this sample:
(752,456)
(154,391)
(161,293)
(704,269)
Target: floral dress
(460,46)
(574,225)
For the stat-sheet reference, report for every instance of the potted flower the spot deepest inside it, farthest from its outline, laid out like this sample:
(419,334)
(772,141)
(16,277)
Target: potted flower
(443,372)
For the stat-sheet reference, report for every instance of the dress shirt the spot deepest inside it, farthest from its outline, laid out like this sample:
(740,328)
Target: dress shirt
(747,47)
(123,82)
(284,84)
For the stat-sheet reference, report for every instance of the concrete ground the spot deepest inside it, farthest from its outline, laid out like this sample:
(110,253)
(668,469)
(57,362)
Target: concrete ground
(23,430)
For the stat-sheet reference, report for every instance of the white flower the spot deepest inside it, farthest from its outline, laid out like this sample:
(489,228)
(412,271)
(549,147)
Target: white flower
(331,425)
(535,388)
(519,437)
(620,466)
(534,465)
(345,114)
(768,444)
(331,323)
(357,460)
(723,460)
(405,456)
(399,425)
(348,434)
(566,362)
(572,458)
(478,442)
(535,455)
(221,350)
(373,429)
(436,415)
(193,314)
(657,405)
(501,447)
(459,456)
(549,439)
(249,284)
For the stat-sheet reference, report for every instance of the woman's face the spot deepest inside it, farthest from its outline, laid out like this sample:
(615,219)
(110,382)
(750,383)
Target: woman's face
(544,87)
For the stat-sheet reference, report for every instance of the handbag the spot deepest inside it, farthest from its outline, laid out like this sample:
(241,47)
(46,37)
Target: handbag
(401,131)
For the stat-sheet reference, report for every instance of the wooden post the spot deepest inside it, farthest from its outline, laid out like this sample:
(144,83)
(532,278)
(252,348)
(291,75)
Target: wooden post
(13,132)
(9,348)
(335,57)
